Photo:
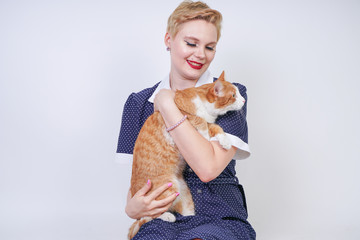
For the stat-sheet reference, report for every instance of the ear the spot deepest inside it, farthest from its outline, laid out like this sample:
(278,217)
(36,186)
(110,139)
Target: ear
(222,76)
(218,88)
(167,39)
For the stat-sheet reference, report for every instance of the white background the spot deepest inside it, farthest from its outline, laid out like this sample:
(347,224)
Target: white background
(66,68)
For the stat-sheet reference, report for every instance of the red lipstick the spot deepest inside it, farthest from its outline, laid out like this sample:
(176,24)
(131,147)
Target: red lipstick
(195,65)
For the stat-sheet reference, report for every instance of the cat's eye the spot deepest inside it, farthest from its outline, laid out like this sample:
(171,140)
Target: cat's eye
(234,95)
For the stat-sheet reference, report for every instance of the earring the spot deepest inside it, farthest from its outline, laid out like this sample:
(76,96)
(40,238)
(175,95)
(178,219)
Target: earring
(168,49)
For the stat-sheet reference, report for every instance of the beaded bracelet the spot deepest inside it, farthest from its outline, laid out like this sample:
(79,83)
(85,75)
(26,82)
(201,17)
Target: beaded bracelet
(177,124)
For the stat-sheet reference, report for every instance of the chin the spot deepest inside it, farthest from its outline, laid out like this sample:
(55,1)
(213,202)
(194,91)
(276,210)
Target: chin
(194,75)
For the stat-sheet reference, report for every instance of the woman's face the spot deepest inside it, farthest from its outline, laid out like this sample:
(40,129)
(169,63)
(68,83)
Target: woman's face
(192,50)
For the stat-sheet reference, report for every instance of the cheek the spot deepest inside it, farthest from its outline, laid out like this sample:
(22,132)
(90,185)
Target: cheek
(180,51)
(180,55)
(210,56)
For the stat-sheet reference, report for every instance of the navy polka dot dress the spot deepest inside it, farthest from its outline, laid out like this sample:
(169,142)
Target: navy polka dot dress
(220,205)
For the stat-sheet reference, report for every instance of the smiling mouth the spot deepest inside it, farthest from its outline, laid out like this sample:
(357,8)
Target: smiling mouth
(194,65)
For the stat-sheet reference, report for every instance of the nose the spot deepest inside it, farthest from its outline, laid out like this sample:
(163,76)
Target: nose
(200,53)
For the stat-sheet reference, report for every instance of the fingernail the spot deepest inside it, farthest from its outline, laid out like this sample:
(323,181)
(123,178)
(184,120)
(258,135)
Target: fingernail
(169,184)
(177,194)
(148,182)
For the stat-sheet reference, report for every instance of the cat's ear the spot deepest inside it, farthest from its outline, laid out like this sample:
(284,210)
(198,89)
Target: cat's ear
(222,76)
(218,84)
(218,87)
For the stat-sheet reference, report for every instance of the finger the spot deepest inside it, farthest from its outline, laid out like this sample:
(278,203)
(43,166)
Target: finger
(158,211)
(166,201)
(144,189)
(159,190)
(128,195)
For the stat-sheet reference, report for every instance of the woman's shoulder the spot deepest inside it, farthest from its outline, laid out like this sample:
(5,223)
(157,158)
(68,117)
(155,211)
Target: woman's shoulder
(143,95)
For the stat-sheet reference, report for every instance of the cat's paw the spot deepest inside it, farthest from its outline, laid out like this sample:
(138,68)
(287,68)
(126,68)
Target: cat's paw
(168,217)
(224,140)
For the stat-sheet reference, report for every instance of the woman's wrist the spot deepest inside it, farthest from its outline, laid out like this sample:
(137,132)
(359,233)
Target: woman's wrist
(171,115)
(177,124)
(167,107)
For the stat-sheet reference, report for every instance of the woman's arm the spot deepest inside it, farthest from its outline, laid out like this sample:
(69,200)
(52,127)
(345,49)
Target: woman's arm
(206,158)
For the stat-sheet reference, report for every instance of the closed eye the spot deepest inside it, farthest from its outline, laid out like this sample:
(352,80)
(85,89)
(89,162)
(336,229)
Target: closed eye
(210,48)
(195,45)
(190,44)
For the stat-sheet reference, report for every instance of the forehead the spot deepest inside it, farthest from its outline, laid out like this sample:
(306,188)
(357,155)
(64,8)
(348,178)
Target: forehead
(199,29)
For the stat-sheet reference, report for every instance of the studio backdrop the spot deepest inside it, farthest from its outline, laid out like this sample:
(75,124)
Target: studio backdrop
(67,67)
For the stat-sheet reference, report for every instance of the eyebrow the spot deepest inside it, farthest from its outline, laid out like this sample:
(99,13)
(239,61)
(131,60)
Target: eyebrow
(195,39)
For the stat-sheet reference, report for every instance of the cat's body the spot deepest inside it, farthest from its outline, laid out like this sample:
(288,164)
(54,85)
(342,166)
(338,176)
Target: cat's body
(156,156)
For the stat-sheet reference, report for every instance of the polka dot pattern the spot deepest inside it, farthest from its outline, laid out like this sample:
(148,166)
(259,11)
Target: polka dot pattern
(220,205)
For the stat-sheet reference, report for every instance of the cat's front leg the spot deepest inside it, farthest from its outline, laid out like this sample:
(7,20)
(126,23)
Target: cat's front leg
(216,131)
(224,140)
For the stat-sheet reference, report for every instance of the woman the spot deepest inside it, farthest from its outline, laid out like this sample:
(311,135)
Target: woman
(192,34)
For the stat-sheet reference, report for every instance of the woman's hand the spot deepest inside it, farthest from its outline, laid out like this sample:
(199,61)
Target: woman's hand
(142,205)
(163,99)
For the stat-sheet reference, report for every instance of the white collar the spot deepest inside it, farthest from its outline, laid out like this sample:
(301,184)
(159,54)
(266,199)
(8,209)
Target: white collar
(165,83)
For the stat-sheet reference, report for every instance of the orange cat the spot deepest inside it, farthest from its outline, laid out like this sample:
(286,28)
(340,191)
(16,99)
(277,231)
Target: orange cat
(156,156)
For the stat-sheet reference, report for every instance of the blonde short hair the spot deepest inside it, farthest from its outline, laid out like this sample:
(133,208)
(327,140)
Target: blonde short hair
(188,11)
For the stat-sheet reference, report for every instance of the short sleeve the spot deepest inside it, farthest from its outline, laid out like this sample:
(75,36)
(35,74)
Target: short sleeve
(130,126)
(235,126)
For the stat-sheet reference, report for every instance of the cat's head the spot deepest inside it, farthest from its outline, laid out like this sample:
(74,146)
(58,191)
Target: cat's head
(224,96)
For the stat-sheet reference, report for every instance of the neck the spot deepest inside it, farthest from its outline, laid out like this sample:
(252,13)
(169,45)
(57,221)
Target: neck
(179,83)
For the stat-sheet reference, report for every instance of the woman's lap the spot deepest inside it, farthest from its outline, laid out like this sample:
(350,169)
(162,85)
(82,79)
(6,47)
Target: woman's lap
(156,230)
(188,228)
